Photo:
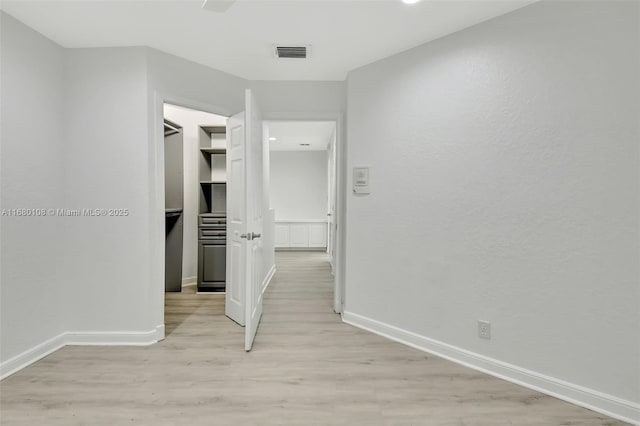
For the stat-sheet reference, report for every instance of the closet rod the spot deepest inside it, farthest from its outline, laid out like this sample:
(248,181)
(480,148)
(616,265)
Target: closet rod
(172,128)
(175,129)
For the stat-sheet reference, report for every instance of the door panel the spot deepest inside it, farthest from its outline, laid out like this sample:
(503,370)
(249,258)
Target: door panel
(282,235)
(254,187)
(244,219)
(214,258)
(236,220)
(299,235)
(235,293)
(317,235)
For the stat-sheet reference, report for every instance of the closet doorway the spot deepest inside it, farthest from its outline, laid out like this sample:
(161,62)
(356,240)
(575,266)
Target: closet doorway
(195,210)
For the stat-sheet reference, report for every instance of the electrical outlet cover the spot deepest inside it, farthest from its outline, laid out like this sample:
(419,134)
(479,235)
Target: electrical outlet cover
(484,330)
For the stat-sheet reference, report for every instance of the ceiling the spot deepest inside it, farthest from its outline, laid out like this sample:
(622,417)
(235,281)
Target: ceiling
(343,34)
(290,134)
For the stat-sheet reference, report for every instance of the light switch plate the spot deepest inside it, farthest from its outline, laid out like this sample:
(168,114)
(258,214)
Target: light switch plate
(361,179)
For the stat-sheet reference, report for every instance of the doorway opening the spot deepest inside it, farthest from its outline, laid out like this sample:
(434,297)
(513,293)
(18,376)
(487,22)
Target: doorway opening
(251,234)
(303,187)
(195,211)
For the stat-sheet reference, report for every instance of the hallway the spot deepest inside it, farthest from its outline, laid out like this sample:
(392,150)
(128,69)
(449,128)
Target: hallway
(306,368)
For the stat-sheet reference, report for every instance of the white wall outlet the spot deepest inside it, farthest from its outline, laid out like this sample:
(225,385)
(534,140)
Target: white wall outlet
(484,330)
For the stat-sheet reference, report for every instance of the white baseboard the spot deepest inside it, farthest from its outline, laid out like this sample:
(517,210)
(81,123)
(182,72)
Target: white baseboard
(28,357)
(160,335)
(186,282)
(115,338)
(600,402)
(87,338)
(267,279)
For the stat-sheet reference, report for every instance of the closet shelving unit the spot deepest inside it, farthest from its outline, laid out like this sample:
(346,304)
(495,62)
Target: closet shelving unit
(212,218)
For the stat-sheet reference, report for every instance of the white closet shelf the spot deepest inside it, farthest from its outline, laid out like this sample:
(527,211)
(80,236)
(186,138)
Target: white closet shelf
(213,150)
(221,130)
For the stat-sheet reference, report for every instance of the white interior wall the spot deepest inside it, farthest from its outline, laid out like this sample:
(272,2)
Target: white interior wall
(527,156)
(505,172)
(291,100)
(107,167)
(191,120)
(299,185)
(33,282)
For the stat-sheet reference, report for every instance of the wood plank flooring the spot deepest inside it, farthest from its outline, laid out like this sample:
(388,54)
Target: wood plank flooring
(306,368)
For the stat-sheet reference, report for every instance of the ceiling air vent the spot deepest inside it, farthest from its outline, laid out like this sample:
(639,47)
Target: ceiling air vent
(295,52)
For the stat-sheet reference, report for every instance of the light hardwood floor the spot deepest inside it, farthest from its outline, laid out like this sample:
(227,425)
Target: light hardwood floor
(306,368)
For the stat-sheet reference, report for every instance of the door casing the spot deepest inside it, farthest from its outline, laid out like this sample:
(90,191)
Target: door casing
(156,203)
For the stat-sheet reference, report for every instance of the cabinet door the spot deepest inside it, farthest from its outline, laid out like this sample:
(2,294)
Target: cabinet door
(211,265)
(173,253)
(299,235)
(282,235)
(317,235)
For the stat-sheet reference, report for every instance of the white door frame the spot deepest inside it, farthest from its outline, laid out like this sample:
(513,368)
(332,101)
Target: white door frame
(156,202)
(341,179)
(332,199)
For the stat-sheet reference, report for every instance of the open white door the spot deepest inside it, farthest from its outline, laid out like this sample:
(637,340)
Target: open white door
(253,245)
(236,219)
(244,219)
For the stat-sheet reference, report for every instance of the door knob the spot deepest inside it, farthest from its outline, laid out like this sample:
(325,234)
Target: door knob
(250,236)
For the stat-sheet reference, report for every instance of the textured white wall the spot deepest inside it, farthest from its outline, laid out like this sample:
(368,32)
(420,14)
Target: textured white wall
(191,120)
(299,184)
(106,166)
(33,284)
(300,99)
(505,173)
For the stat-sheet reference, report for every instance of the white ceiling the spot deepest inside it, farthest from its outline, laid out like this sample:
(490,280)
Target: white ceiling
(290,134)
(343,34)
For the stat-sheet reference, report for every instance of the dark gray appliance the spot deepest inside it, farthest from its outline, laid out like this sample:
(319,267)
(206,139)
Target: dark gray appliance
(173,196)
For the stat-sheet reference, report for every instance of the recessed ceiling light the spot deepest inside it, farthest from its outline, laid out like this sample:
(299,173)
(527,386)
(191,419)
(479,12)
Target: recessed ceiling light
(273,138)
(410,1)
